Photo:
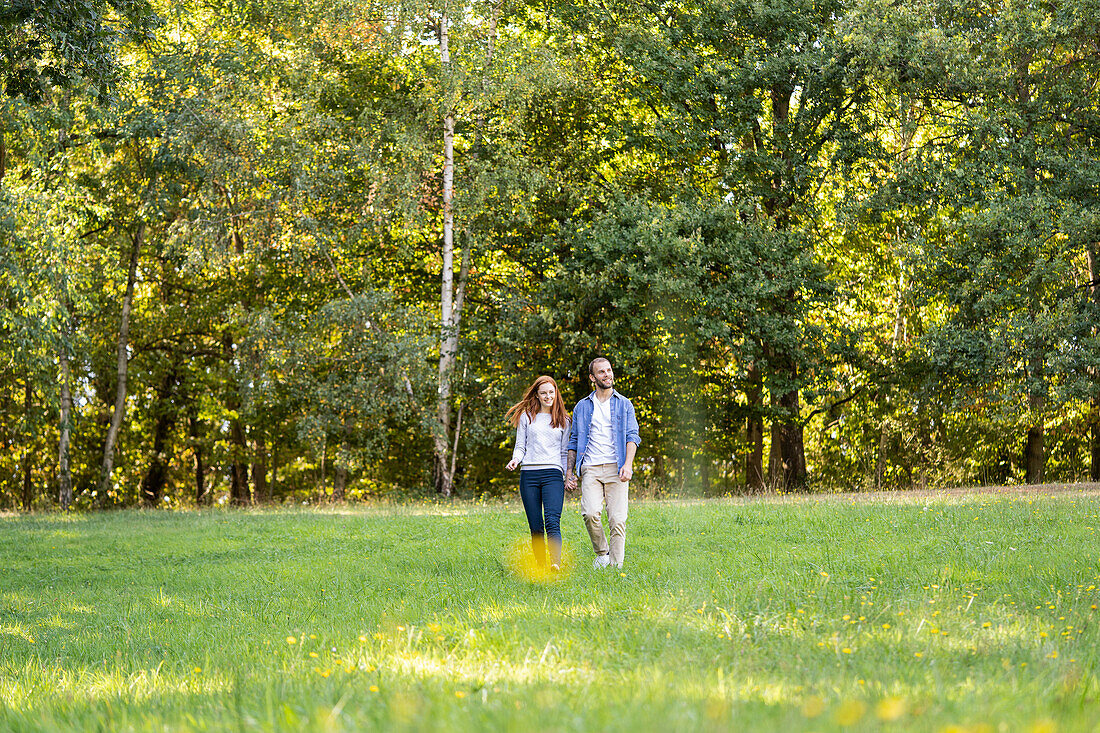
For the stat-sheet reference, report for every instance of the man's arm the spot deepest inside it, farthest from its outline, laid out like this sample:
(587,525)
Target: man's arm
(633,440)
(627,470)
(570,462)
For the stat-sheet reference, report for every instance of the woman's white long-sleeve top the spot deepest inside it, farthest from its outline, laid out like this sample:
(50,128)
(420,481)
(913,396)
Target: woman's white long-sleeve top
(539,445)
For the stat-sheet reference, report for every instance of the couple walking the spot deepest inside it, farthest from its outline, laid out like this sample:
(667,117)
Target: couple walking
(604,433)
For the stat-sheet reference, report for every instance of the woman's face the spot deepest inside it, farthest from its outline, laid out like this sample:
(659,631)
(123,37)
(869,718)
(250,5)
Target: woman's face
(546,394)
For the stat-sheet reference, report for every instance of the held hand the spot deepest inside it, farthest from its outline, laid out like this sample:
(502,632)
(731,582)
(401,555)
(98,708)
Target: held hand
(512,465)
(626,472)
(571,483)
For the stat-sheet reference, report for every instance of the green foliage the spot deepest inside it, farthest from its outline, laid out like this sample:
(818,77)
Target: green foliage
(859,234)
(63,43)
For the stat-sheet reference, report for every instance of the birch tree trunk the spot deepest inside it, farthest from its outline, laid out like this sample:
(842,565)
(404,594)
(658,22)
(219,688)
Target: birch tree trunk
(444,481)
(451,292)
(123,364)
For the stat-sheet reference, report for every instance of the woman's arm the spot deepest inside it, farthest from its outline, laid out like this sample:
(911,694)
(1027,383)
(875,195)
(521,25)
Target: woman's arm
(564,449)
(521,443)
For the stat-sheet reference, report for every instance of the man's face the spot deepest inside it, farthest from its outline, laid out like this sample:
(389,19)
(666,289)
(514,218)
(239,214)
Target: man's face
(603,375)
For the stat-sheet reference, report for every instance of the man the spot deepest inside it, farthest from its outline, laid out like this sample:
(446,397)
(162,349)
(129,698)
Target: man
(605,435)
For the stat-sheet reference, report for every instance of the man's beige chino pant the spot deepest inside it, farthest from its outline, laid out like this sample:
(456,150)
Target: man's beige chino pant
(600,486)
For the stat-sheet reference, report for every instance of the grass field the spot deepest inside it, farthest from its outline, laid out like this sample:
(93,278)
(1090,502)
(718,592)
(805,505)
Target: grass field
(954,612)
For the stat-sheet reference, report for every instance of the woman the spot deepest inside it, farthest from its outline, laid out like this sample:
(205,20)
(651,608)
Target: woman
(542,440)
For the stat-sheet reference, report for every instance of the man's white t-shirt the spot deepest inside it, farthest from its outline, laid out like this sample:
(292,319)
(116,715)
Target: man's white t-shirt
(601,447)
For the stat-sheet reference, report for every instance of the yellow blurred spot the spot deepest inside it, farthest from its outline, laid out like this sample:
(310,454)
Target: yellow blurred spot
(891,708)
(374,688)
(813,707)
(460,694)
(291,640)
(1043,726)
(850,712)
(362,638)
(520,559)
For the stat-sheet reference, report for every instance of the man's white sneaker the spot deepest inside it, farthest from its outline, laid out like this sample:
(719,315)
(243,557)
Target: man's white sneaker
(601,561)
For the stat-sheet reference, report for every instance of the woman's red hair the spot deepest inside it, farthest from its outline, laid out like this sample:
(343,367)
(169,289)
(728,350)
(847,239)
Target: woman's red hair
(530,405)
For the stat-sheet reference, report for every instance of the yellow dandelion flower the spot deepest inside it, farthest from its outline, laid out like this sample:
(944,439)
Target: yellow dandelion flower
(291,640)
(460,694)
(374,688)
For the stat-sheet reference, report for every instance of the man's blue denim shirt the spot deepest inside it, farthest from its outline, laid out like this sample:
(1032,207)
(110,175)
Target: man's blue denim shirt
(624,426)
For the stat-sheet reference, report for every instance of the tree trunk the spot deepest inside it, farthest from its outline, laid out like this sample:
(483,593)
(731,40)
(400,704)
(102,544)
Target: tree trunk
(339,486)
(200,468)
(1035,455)
(273,483)
(238,447)
(261,489)
(792,445)
(448,334)
(754,429)
(1034,448)
(451,293)
(65,475)
(123,363)
(1094,415)
(339,489)
(775,458)
(28,492)
(156,477)
(324,460)
(787,462)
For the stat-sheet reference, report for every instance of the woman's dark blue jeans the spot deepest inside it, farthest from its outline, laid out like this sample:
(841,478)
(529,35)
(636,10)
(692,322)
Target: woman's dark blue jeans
(543,493)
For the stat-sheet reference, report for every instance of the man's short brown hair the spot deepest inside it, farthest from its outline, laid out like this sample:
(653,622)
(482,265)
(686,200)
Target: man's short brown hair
(592,364)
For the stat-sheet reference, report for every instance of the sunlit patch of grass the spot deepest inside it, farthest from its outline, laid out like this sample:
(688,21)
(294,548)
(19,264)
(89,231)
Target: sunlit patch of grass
(792,614)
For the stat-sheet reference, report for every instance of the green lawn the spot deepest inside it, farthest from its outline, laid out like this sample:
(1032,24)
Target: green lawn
(920,614)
